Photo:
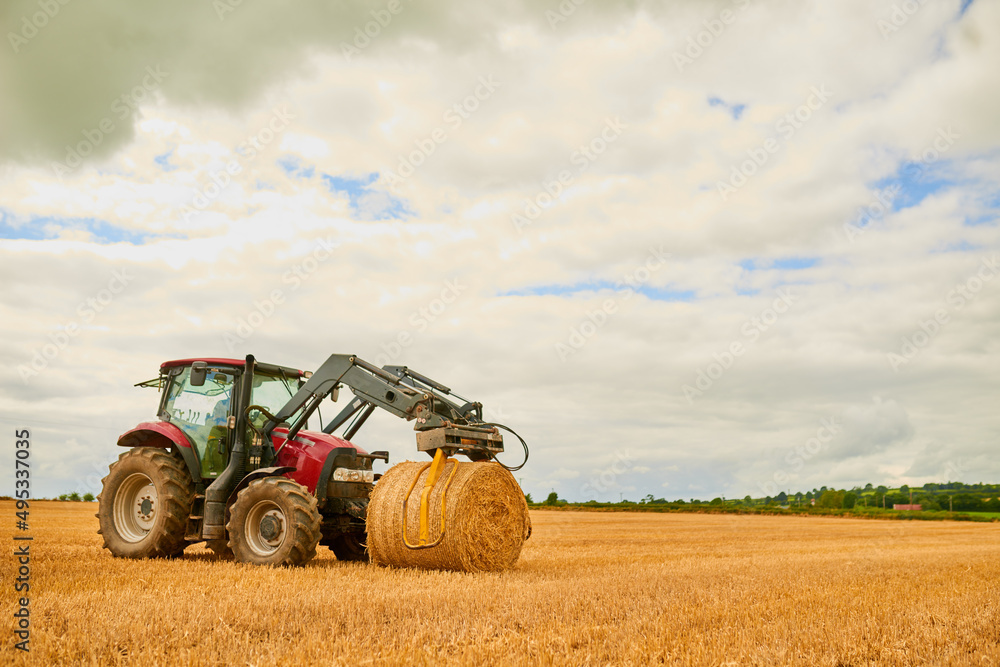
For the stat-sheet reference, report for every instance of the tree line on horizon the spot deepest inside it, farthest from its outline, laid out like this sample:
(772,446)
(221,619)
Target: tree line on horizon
(948,496)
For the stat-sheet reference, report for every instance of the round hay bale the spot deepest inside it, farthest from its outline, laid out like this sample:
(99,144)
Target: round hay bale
(486,526)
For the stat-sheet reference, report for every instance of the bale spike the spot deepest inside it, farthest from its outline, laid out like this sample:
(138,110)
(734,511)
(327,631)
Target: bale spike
(437,466)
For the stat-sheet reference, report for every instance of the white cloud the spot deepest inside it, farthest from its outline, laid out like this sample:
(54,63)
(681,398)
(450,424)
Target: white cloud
(310,147)
(654,185)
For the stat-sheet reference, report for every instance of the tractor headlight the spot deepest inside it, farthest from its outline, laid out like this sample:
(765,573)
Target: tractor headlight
(350,475)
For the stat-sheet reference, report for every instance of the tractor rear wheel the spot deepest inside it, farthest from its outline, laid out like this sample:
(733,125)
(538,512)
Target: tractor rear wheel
(145,503)
(274,521)
(349,547)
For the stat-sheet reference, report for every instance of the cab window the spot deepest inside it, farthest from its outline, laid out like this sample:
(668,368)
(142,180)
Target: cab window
(272,392)
(202,412)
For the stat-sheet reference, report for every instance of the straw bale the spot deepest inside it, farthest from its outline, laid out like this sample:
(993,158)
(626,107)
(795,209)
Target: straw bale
(486,526)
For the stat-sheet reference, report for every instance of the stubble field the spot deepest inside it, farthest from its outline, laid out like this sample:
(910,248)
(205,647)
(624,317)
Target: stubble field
(590,589)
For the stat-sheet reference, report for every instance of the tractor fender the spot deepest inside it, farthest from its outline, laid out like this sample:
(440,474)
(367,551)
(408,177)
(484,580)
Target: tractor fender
(258,474)
(163,435)
(154,434)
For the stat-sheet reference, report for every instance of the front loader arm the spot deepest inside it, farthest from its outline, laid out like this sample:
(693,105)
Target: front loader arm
(440,422)
(368,382)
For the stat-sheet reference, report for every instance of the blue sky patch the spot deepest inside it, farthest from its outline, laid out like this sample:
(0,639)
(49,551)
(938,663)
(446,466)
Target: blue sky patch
(163,160)
(977,220)
(735,109)
(653,293)
(367,202)
(961,246)
(44,228)
(294,167)
(353,186)
(780,263)
(991,216)
(795,263)
(917,181)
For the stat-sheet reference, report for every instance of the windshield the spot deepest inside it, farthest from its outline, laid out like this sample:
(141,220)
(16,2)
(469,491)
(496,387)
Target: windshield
(196,410)
(272,392)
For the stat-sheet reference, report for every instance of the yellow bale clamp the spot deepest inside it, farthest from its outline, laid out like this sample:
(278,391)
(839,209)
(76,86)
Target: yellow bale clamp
(437,467)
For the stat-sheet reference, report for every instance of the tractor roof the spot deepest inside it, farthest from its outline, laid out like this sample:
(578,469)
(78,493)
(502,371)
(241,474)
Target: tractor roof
(217,361)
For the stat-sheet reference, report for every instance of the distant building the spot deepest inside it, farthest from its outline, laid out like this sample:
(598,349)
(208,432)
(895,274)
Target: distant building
(907,508)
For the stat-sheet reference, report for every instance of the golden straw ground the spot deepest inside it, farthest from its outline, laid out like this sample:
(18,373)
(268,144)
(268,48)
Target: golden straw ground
(485,529)
(589,589)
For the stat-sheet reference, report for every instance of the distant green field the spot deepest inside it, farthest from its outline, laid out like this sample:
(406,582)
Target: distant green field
(991,515)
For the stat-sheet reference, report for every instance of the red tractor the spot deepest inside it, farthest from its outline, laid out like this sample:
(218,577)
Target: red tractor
(230,462)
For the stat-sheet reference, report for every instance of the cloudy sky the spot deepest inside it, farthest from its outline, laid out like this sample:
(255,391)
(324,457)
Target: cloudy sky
(684,248)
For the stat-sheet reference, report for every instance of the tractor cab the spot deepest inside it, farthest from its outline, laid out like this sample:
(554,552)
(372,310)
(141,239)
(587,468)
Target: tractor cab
(198,398)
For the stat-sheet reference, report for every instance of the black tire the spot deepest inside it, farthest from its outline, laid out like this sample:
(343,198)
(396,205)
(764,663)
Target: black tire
(274,521)
(144,505)
(350,547)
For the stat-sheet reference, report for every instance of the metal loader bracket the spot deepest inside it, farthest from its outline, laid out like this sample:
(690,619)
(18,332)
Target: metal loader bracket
(486,439)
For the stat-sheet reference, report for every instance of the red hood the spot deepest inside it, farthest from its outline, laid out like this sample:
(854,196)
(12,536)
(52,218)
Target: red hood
(312,438)
(307,453)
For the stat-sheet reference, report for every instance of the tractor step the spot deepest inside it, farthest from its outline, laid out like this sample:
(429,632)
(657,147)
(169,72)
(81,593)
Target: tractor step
(192,532)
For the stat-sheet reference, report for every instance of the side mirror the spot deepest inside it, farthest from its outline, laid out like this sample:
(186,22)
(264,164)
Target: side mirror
(335,394)
(199,371)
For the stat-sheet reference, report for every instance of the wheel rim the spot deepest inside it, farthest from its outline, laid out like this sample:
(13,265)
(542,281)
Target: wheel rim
(135,507)
(265,528)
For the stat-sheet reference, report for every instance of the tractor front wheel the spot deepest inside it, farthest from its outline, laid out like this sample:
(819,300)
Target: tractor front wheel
(274,521)
(145,503)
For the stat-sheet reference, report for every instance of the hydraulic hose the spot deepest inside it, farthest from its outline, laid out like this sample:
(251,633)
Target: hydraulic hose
(523,444)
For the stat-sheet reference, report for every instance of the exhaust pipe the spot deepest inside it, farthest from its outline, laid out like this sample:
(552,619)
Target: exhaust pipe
(217,493)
